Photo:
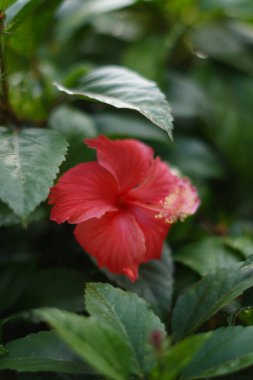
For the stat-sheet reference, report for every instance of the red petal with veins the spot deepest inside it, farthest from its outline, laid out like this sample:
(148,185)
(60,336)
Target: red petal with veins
(128,160)
(115,240)
(156,185)
(154,231)
(86,191)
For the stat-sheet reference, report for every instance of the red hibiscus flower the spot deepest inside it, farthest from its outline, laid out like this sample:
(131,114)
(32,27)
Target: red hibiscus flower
(123,204)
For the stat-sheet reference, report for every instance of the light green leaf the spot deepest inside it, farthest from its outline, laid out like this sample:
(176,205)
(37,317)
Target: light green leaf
(43,351)
(155,283)
(72,123)
(176,358)
(14,10)
(6,3)
(227,350)
(99,344)
(29,163)
(205,298)
(109,123)
(76,13)
(123,88)
(27,28)
(130,316)
(207,255)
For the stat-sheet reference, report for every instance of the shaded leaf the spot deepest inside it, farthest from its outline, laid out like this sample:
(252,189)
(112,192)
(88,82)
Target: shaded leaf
(243,244)
(227,350)
(96,342)
(195,158)
(123,88)
(129,315)
(127,125)
(29,163)
(155,283)
(207,255)
(7,216)
(57,287)
(43,351)
(176,358)
(205,298)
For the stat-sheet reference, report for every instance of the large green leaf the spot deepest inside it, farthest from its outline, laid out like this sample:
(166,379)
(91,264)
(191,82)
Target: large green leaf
(205,298)
(227,350)
(176,358)
(99,344)
(123,88)
(207,255)
(155,283)
(130,316)
(29,163)
(43,351)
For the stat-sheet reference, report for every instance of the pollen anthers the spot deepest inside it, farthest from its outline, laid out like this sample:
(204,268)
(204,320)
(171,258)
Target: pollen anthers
(181,202)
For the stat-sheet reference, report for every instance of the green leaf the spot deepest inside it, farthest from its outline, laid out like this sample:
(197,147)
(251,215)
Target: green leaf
(205,298)
(109,123)
(155,283)
(227,350)
(43,351)
(242,244)
(14,10)
(207,255)
(72,123)
(194,158)
(29,163)
(130,316)
(123,88)
(26,27)
(76,13)
(96,342)
(6,3)
(176,358)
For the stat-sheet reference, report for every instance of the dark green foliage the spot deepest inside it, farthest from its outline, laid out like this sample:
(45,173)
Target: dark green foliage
(72,69)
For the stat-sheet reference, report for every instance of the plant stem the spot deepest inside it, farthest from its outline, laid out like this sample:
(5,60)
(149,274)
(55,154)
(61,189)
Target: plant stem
(3,69)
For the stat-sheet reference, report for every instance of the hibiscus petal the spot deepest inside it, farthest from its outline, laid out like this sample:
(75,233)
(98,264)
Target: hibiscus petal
(115,240)
(86,191)
(128,160)
(154,230)
(156,185)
